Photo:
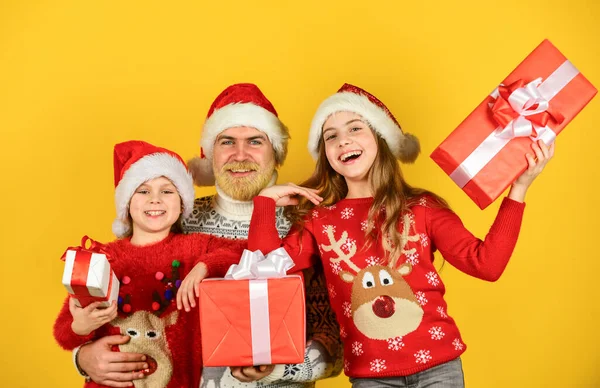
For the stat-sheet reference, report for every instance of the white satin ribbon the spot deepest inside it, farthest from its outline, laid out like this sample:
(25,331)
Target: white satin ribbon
(521,100)
(259,322)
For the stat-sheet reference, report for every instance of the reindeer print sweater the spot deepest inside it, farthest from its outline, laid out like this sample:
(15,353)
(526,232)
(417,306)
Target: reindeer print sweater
(393,320)
(169,338)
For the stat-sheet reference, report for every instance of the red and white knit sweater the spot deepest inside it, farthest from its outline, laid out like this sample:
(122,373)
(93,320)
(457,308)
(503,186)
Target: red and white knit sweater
(393,321)
(171,341)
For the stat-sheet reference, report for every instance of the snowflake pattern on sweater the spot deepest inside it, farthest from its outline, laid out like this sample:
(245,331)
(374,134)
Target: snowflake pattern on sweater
(394,316)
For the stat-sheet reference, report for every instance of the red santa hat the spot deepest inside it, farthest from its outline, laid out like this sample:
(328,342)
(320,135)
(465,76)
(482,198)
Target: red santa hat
(239,105)
(351,98)
(136,162)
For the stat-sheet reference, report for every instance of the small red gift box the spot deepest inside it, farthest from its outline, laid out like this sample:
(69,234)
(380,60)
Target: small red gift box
(87,275)
(253,320)
(486,153)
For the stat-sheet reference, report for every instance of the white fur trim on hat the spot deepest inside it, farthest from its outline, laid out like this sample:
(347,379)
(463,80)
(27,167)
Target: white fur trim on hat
(404,146)
(147,168)
(245,115)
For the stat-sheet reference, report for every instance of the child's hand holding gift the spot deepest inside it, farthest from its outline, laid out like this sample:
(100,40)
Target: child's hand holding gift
(189,290)
(89,318)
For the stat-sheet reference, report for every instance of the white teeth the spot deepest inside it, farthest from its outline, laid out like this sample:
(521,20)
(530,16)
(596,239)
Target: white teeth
(155,212)
(240,170)
(346,156)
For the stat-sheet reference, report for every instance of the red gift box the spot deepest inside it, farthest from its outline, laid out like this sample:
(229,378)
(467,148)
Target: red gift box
(88,276)
(486,153)
(252,321)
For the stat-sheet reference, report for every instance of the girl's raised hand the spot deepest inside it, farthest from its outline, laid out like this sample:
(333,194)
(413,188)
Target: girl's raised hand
(536,163)
(287,194)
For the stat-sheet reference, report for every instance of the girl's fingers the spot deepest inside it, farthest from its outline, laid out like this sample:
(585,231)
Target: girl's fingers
(544,149)
(197,289)
(179,297)
(103,313)
(531,162)
(310,195)
(184,298)
(191,298)
(304,191)
(315,191)
(112,310)
(538,152)
(72,306)
(92,306)
(109,317)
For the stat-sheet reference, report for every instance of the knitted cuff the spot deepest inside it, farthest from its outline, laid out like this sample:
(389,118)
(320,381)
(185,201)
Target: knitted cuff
(277,374)
(81,372)
(510,214)
(267,205)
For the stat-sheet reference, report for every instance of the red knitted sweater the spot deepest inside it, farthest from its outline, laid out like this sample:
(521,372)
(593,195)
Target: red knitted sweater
(393,319)
(171,340)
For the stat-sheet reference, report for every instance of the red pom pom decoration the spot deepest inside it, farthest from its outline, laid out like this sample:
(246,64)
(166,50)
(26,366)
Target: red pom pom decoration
(126,308)
(159,276)
(126,280)
(155,306)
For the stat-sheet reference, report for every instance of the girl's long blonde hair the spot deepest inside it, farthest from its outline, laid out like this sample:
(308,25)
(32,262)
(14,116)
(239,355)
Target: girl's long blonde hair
(390,192)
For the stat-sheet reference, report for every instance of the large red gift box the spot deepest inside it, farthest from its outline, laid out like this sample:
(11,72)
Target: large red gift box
(486,153)
(87,275)
(252,321)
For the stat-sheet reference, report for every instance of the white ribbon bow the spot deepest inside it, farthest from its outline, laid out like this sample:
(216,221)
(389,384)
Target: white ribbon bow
(521,100)
(254,265)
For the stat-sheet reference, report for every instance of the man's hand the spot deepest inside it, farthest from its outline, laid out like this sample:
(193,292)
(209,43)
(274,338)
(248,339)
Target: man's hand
(114,369)
(248,374)
(189,290)
(91,317)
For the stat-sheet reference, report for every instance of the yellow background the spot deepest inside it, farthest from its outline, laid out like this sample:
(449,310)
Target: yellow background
(77,77)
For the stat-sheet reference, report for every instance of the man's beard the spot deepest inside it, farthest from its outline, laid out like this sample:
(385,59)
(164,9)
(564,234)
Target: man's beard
(247,187)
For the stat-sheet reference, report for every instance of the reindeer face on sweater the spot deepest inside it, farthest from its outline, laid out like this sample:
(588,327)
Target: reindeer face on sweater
(147,332)
(383,305)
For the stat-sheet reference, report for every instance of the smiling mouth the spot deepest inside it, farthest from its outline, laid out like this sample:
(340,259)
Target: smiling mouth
(348,156)
(154,213)
(240,171)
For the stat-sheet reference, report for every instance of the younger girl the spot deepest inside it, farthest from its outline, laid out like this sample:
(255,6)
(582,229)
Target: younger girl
(376,236)
(150,258)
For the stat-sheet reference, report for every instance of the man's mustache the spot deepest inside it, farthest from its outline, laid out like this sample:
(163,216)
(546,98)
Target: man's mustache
(240,166)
